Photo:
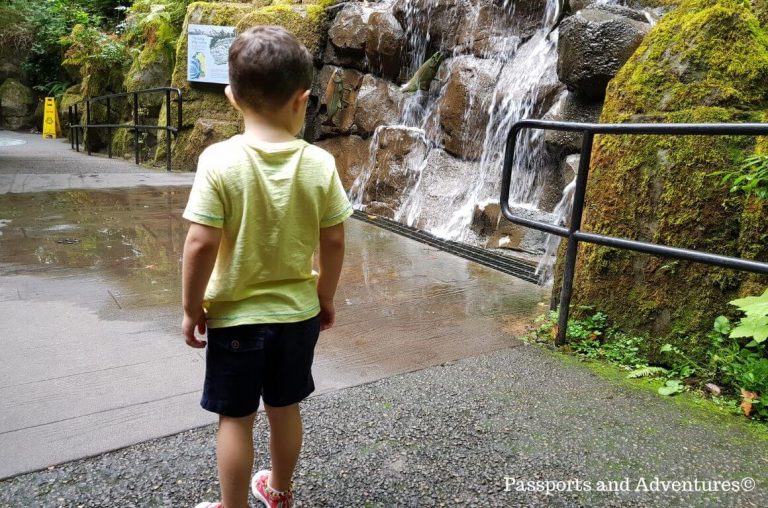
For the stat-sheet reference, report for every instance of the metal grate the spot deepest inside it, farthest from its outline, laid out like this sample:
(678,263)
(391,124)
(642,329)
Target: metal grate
(515,267)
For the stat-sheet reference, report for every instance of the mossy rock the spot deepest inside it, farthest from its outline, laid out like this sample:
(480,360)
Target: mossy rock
(705,62)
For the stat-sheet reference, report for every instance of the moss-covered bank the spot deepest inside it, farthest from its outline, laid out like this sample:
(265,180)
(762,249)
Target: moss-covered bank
(707,61)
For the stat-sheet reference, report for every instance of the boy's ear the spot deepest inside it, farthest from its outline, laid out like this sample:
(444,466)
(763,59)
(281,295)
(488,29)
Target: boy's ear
(231,97)
(301,98)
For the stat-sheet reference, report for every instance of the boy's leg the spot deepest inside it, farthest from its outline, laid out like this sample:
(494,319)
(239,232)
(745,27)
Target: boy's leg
(285,437)
(234,454)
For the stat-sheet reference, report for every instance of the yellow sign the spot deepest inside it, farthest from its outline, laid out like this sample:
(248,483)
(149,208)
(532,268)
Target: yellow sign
(51,125)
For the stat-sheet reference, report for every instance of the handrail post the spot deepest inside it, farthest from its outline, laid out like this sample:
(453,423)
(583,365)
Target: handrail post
(135,123)
(109,129)
(167,130)
(87,123)
(71,135)
(77,131)
(573,244)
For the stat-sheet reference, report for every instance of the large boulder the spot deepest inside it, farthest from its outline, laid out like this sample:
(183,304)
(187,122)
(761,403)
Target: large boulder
(571,109)
(592,47)
(440,23)
(18,105)
(441,189)
(398,157)
(378,103)
(463,108)
(706,61)
(352,156)
(494,29)
(347,37)
(385,45)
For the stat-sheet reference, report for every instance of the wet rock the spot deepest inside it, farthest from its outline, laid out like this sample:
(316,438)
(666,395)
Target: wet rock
(441,21)
(463,106)
(378,103)
(385,45)
(327,89)
(441,189)
(495,29)
(488,222)
(347,38)
(572,109)
(592,47)
(18,103)
(400,152)
(352,156)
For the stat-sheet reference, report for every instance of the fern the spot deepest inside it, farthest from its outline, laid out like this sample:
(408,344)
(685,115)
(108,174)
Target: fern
(647,372)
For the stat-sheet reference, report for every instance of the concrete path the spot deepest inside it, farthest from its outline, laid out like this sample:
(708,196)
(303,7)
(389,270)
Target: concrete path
(29,163)
(92,355)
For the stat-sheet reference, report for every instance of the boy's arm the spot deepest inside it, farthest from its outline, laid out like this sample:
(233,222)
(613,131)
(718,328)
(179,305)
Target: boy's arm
(200,250)
(331,259)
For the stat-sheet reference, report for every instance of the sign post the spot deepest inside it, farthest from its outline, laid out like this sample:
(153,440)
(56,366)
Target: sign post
(51,125)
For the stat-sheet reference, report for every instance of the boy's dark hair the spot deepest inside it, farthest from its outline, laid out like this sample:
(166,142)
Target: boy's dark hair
(266,66)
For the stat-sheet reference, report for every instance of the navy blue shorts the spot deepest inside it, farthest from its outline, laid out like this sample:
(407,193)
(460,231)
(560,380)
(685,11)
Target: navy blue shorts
(271,361)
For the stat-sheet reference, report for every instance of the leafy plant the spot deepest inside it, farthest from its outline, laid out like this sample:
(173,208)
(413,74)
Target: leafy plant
(751,177)
(671,387)
(53,89)
(755,322)
(647,371)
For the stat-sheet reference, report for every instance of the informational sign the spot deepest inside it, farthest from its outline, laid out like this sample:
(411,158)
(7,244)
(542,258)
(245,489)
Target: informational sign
(208,53)
(51,126)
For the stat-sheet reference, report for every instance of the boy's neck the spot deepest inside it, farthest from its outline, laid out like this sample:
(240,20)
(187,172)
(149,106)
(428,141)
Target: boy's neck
(265,129)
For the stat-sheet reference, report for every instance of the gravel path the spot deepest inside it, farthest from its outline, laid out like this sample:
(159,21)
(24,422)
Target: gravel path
(449,436)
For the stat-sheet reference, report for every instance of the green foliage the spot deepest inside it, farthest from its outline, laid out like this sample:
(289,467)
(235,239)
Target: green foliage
(755,322)
(94,50)
(672,387)
(54,89)
(735,358)
(751,177)
(647,371)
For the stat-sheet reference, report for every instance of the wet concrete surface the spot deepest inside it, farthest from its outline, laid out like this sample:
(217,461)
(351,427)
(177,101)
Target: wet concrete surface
(29,163)
(92,355)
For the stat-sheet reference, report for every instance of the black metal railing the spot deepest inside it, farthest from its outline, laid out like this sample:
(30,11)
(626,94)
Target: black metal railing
(75,129)
(573,232)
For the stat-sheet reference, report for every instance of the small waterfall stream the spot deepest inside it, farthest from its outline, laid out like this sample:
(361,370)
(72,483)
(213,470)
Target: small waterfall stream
(526,86)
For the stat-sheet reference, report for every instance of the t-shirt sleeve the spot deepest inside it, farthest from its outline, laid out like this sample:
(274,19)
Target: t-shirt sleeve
(338,208)
(205,205)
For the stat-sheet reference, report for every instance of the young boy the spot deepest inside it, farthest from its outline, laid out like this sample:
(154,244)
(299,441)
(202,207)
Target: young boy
(260,205)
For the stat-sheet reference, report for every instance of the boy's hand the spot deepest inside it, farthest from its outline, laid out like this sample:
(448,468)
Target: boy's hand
(327,314)
(188,326)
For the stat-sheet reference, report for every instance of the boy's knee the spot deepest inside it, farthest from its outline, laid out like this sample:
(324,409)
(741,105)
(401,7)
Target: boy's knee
(278,411)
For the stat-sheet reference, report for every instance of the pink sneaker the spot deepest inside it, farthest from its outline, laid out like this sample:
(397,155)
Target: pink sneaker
(267,495)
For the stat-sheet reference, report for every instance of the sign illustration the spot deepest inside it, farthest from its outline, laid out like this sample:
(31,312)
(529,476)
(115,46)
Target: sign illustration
(208,52)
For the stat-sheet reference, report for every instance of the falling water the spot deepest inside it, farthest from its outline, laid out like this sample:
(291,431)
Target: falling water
(526,87)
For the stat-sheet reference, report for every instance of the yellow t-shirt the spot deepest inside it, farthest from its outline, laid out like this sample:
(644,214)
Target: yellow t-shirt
(270,200)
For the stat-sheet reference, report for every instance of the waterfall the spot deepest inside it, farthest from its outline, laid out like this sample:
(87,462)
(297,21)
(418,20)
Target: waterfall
(526,86)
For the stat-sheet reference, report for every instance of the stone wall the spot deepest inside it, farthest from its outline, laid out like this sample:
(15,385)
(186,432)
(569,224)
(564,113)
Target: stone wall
(707,61)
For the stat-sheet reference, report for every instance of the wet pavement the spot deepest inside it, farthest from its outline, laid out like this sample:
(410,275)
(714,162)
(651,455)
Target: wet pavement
(29,163)
(93,360)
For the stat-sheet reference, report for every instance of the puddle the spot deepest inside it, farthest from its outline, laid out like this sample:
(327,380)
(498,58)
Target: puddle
(132,237)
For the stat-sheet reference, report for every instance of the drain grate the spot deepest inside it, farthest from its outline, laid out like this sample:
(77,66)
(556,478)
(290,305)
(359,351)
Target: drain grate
(511,266)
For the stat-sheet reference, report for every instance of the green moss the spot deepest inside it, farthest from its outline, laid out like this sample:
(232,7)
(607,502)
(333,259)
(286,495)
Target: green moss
(705,53)
(699,409)
(306,22)
(705,62)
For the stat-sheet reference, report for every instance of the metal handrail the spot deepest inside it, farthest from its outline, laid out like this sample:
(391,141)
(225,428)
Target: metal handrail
(574,234)
(74,129)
